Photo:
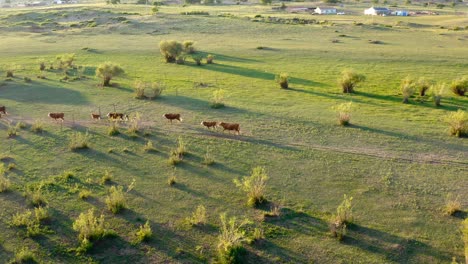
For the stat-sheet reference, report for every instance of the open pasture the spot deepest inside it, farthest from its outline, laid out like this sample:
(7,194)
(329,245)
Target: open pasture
(396,160)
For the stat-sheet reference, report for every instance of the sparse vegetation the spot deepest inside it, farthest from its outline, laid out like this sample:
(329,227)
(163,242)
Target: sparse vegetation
(349,80)
(458,122)
(149,147)
(4,181)
(106,177)
(113,130)
(254,185)
(37,126)
(208,158)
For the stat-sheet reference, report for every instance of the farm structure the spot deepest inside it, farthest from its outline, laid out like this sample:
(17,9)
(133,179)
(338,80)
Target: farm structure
(325,10)
(377,11)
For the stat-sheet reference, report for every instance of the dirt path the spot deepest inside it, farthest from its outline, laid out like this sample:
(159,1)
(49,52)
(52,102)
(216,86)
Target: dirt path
(247,136)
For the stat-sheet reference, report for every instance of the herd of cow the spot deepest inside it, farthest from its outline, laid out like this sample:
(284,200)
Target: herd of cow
(113,116)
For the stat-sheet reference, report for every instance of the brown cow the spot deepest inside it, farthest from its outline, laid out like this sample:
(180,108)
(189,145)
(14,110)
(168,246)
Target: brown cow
(57,116)
(117,116)
(3,110)
(209,124)
(171,117)
(230,127)
(95,116)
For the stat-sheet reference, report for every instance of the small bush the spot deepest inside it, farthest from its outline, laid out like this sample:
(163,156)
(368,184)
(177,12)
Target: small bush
(11,166)
(344,212)
(231,239)
(189,46)
(174,158)
(22,219)
(254,185)
(408,87)
(210,59)
(37,126)
(156,90)
(257,235)
(79,141)
(217,100)
(437,92)
(89,227)
(27,79)
(65,60)
(208,158)
(460,86)
(181,147)
(423,86)
(275,211)
(139,88)
(84,194)
(149,147)
(349,80)
(283,80)
(154,10)
(41,214)
(198,217)
(12,131)
(171,50)
(25,256)
(115,201)
(144,233)
(452,205)
(172,180)
(36,198)
(344,113)
(4,183)
(107,71)
(458,122)
(107,177)
(113,130)
(135,124)
(197,59)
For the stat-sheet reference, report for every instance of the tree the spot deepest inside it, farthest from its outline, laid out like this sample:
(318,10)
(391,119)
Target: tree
(107,71)
(170,50)
(349,80)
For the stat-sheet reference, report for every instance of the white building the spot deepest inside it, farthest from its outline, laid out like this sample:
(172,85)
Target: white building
(325,10)
(377,11)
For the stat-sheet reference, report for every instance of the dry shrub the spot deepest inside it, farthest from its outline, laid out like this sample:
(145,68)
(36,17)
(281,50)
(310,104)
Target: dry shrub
(438,91)
(4,181)
(156,90)
(113,130)
(283,80)
(458,122)
(344,113)
(139,88)
(408,87)
(37,126)
(349,80)
(460,86)
(452,205)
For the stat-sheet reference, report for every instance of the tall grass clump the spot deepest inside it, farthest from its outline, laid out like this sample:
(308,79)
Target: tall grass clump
(458,122)
(113,129)
(79,141)
(135,124)
(217,101)
(4,181)
(344,212)
(407,87)
(231,238)
(144,233)
(106,177)
(283,80)
(438,91)
(89,228)
(149,147)
(208,158)
(12,130)
(344,113)
(349,80)
(452,205)
(181,147)
(254,185)
(37,126)
(460,86)
(198,217)
(24,256)
(115,201)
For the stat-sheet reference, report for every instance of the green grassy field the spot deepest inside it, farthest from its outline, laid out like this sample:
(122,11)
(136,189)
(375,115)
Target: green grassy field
(397,160)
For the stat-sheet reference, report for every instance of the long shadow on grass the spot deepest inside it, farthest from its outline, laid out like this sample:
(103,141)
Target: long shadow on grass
(222,57)
(410,137)
(300,222)
(393,248)
(40,93)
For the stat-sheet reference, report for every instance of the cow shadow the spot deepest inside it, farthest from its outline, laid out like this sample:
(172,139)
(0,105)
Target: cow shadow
(42,93)
(392,247)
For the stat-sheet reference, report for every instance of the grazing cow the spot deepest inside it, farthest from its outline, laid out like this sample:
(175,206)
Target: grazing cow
(171,117)
(57,116)
(117,116)
(230,127)
(95,116)
(3,110)
(209,124)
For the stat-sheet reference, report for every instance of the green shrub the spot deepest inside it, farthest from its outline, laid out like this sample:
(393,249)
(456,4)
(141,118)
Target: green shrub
(36,198)
(144,233)
(408,87)
(113,130)
(79,141)
(254,185)
(172,180)
(107,71)
(154,10)
(89,227)
(423,86)
(181,147)
(437,92)
(156,90)
(41,214)
(139,88)
(458,122)
(198,217)
(11,166)
(210,59)
(174,158)
(115,201)
(283,80)
(107,177)
(460,86)
(25,256)
(344,113)
(22,219)
(65,60)
(349,80)
(12,131)
(344,212)
(189,46)
(37,126)
(217,101)
(84,194)
(171,50)
(4,183)
(452,205)
(231,239)
(197,59)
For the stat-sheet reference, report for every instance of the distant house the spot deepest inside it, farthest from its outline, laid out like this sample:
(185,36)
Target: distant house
(325,10)
(377,11)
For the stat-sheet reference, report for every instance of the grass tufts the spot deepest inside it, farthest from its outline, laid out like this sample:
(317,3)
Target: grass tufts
(79,141)
(115,201)
(254,185)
